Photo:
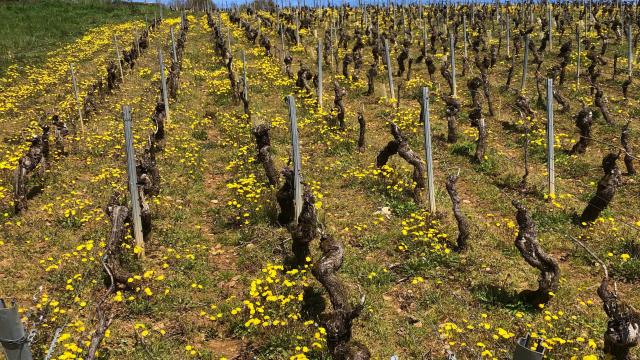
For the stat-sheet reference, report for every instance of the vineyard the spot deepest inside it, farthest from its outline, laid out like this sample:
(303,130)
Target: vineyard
(222,183)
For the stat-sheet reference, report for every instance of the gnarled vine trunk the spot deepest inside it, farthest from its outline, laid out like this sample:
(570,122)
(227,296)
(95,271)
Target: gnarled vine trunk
(339,322)
(527,243)
(607,187)
(461,220)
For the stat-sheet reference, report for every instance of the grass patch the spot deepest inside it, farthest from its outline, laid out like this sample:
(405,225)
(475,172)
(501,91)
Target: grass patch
(30,29)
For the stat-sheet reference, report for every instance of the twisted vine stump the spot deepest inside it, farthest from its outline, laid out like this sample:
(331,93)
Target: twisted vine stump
(304,76)
(452,109)
(474,84)
(26,165)
(584,121)
(147,170)
(461,220)
(159,117)
(483,65)
(339,322)
(145,214)
(625,87)
(263,145)
(113,76)
(446,74)
(288,60)
(400,146)
(600,102)
(402,57)
(303,233)
(266,44)
(361,131)
(409,69)
(244,97)
(90,102)
(477,121)
(534,255)
(231,74)
(346,61)
(524,107)
(46,152)
(285,198)
(339,93)
(607,187)
(507,84)
(628,154)
(557,95)
(431,66)
(173,80)
(372,73)
(623,326)
(118,215)
(565,59)
(60,132)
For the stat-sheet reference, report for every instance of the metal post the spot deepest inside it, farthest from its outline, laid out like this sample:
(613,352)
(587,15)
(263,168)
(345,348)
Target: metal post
(75,94)
(133,179)
(549,17)
(525,64)
(452,50)
(282,39)
(427,147)
(465,39)
(424,34)
(137,41)
(578,56)
(629,51)
(550,139)
(173,47)
(163,79)
(297,28)
(508,32)
(115,42)
(319,74)
(11,329)
(389,71)
(245,88)
(295,147)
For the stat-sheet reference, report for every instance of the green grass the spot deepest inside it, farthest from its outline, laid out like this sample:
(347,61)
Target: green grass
(30,29)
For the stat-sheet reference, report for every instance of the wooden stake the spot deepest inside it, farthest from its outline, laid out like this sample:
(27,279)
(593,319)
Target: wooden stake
(550,139)
(115,43)
(295,150)
(173,46)
(319,90)
(452,50)
(75,93)
(163,79)
(525,63)
(427,147)
(389,70)
(133,180)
